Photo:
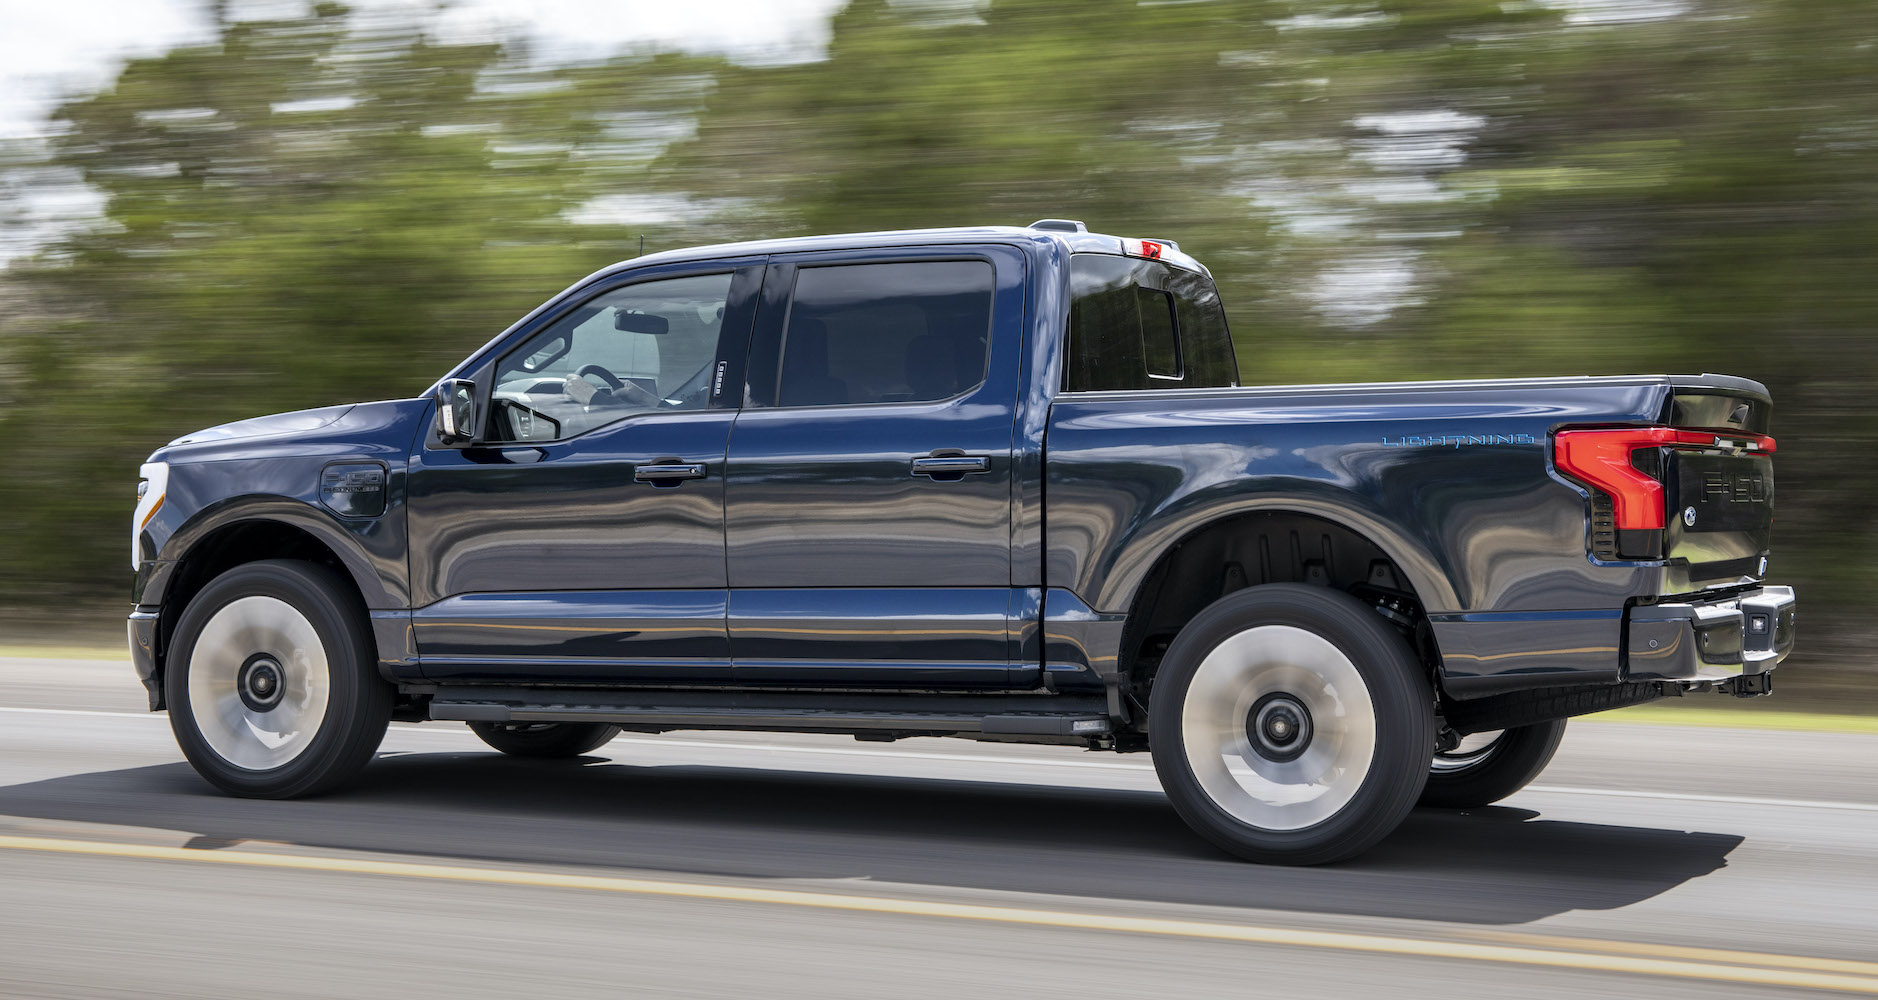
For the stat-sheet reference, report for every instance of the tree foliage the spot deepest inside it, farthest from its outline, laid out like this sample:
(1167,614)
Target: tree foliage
(326,207)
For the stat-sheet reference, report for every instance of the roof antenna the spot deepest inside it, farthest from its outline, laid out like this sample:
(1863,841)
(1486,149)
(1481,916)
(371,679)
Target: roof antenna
(642,244)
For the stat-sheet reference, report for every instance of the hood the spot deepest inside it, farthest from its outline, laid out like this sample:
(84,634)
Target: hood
(296,422)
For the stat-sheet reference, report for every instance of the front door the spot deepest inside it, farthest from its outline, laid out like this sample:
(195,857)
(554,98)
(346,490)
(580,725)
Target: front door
(582,538)
(868,505)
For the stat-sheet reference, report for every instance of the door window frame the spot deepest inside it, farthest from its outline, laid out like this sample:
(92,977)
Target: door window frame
(733,338)
(763,366)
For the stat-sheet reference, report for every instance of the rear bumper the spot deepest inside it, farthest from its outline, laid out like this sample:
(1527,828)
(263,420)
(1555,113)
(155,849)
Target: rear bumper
(1748,633)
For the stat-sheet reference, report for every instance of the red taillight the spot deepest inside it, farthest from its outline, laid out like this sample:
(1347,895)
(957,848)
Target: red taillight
(1601,459)
(1143,248)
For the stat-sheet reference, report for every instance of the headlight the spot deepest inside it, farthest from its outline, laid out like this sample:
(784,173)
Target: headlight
(153,480)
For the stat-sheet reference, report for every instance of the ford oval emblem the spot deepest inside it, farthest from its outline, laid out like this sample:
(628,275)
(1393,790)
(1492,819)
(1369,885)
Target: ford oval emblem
(1688,517)
(1762,571)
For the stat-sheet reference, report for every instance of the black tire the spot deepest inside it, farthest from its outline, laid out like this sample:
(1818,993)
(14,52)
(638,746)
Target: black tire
(1486,776)
(1315,626)
(545,739)
(336,741)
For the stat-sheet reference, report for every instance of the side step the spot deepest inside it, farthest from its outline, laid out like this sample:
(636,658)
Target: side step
(1035,716)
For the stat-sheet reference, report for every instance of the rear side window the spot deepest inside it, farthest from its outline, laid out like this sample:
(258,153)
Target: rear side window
(1141,324)
(1160,345)
(885,333)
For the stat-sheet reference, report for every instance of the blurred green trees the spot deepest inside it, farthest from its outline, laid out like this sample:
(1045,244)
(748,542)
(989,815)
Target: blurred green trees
(329,208)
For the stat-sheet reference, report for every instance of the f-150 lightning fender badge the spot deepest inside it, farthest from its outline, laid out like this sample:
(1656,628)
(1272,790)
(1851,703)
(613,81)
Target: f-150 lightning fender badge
(1455,440)
(354,489)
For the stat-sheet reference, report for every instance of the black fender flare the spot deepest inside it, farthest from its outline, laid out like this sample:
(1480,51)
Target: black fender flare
(380,581)
(1426,572)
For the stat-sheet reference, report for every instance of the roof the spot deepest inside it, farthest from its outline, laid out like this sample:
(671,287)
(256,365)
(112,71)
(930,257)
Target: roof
(1073,242)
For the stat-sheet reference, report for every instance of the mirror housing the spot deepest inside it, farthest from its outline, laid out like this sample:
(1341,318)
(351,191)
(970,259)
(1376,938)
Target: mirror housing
(456,411)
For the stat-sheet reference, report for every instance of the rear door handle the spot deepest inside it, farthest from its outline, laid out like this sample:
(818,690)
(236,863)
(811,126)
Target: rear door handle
(950,467)
(667,473)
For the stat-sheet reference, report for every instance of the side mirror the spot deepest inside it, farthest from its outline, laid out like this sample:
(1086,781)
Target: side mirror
(456,411)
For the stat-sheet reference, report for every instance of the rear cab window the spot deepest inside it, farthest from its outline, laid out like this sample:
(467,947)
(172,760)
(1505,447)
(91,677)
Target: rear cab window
(1144,324)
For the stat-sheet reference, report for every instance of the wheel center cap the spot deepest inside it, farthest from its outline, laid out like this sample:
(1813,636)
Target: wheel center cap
(260,682)
(1279,727)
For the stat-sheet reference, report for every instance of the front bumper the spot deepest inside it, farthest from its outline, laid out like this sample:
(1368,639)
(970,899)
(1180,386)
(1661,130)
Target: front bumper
(143,631)
(1715,640)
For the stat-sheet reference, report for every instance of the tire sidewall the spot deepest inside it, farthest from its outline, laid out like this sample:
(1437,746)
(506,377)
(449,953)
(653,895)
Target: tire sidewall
(1400,696)
(1520,755)
(317,593)
(566,739)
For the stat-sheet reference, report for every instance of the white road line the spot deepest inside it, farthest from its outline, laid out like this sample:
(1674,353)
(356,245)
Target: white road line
(1740,800)
(84,711)
(970,758)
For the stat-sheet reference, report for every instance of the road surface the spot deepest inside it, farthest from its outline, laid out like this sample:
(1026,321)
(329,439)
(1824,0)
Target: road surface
(1647,862)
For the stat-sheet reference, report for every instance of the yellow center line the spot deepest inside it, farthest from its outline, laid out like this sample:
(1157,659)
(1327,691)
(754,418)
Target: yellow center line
(1685,952)
(1755,969)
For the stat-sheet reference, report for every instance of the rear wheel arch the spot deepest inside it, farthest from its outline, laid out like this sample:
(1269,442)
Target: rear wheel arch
(1294,725)
(1272,544)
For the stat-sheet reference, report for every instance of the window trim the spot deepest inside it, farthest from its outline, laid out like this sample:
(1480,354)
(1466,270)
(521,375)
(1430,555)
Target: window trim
(1173,325)
(575,301)
(794,270)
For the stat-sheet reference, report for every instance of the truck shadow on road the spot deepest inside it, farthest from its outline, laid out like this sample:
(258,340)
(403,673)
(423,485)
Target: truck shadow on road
(1493,866)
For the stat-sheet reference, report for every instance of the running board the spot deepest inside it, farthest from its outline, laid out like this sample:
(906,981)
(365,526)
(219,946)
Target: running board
(658,711)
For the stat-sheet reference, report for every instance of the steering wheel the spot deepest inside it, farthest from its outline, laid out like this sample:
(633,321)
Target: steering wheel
(612,381)
(616,393)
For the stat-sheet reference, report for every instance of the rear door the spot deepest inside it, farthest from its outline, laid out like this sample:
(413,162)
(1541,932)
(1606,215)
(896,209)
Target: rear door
(868,492)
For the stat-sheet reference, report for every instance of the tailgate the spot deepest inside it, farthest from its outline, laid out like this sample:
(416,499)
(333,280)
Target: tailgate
(1721,513)
(1720,496)
(1694,489)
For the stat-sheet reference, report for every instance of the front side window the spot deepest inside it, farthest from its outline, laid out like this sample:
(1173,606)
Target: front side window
(885,333)
(643,348)
(1142,324)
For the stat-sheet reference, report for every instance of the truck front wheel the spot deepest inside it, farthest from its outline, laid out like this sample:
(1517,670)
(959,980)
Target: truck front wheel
(1487,767)
(272,681)
(1291,725)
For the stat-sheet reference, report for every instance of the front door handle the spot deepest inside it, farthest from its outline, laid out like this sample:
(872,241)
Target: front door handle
(667,473)
(950,468)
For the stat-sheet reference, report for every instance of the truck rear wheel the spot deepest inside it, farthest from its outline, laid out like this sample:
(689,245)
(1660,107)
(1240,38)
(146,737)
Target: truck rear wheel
(545,739)
(272,681)
(1291,725)
(1488,767)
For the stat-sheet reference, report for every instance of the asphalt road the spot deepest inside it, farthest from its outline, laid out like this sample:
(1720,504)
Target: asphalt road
(1648,862)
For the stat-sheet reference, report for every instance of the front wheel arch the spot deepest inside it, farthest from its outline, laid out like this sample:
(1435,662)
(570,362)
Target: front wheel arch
(214,551)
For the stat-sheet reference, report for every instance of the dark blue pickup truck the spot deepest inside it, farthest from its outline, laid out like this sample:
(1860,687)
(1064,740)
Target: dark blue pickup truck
(995,483)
